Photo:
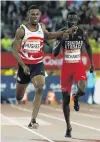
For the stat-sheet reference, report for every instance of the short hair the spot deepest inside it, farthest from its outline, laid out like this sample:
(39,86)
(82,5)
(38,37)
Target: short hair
(33,7)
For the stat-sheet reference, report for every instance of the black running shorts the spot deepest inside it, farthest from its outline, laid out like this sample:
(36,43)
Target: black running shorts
(35,69)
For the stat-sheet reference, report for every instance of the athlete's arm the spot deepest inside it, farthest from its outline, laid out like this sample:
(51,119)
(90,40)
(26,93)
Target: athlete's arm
(59,43)
(16,47)
(17,44)
(89,50)
(53,35)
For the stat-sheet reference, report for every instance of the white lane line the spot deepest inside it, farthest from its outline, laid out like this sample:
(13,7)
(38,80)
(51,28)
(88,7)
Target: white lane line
(89,109)
(12,121)
(56,118)
(24,121)
(79,113)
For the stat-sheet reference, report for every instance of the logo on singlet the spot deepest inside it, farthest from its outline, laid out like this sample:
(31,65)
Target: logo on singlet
(83,76)
(80,37)
(18,78)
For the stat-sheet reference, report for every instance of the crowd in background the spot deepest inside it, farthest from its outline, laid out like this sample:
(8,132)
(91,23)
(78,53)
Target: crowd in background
(53,16)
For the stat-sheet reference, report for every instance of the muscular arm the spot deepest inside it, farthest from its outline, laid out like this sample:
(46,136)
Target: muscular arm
(17,44)
(88,48)
(53,35)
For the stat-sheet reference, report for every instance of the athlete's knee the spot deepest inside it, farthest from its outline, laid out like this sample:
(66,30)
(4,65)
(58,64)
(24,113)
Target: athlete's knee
(39,88)
(81,87)
(66,98)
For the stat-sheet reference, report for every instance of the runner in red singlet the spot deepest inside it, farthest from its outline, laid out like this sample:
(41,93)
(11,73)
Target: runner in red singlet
(72,67)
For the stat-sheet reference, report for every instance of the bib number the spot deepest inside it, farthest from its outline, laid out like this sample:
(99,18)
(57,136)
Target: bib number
(33,46)
(72,56)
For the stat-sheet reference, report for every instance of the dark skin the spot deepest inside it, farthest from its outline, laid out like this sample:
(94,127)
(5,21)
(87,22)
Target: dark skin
(81,83)
(87,45)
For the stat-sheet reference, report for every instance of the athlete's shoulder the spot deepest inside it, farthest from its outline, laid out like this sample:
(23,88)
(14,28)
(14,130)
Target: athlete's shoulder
(21,28)
(82,30)
(85,34)
(20,31)
(42,25)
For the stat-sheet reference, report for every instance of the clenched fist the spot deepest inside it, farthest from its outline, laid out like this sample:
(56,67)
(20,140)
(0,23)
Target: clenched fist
(69,31)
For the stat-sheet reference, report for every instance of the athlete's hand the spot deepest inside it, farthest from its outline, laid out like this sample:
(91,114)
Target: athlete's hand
(26,70)
(91,68)
(72,29)
(69,31)
(65,36)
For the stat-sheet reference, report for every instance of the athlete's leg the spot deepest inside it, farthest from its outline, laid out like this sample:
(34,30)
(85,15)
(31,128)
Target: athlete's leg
(20,91)
(80,92)
(38,82)
(80,78)
(66,83)
(37,74)
(66,111)
(22,83)
(81,88)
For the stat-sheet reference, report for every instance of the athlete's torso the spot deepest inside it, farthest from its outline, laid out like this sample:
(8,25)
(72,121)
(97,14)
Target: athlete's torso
(32,44)
(72,47)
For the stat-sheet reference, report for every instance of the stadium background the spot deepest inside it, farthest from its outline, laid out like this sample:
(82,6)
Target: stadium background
(13,13)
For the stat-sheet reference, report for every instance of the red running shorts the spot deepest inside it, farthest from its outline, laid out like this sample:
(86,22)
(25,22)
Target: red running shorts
(71,72)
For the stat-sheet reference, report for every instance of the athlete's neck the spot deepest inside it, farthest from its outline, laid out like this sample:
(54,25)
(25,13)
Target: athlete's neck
(32,27)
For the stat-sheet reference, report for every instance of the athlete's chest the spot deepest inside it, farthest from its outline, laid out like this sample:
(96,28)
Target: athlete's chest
(34,35)
(74,41)
(33,41)
(72,47)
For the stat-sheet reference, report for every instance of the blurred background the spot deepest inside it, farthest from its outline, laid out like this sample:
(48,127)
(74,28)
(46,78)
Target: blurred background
(14,13)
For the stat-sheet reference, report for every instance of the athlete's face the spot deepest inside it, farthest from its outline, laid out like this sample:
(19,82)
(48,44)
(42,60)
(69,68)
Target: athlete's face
(72,20)
(34,16)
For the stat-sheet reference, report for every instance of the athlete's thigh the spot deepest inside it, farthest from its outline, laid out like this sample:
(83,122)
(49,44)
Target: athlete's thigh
(22,78)
(38,80)
(80,73)
(38,74)
(66,77)
(80,77)
(37,69)
(22,82)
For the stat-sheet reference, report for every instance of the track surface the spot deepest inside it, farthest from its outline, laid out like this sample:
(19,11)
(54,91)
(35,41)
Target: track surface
(15,118)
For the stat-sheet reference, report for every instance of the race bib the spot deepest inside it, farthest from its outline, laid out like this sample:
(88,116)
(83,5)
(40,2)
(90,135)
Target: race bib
(72,56)
(33,46)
